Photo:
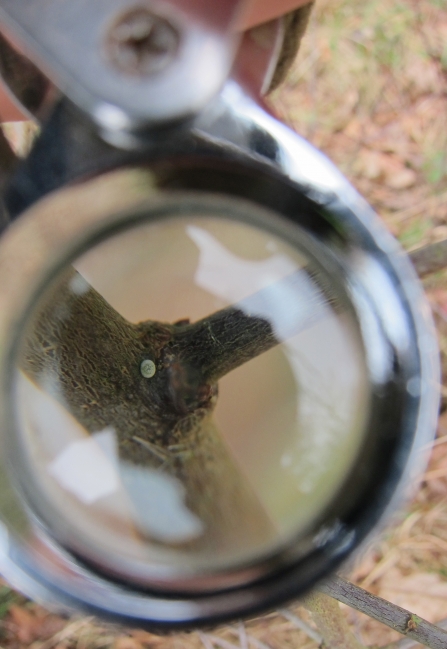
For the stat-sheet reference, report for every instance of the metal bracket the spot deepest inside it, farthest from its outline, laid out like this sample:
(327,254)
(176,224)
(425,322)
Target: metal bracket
(127,65)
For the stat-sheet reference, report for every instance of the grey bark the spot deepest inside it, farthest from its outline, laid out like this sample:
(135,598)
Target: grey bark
(394,616)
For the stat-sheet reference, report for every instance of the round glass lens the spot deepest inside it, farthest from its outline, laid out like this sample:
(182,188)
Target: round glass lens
(190,395)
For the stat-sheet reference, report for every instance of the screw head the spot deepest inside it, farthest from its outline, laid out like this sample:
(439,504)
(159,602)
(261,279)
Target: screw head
(140,43)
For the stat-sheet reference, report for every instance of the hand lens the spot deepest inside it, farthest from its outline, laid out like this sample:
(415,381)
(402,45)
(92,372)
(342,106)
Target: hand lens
(217,369)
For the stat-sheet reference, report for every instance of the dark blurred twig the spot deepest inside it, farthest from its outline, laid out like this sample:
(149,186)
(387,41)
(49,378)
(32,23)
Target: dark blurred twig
(430,258)
(8,163)
(24,79)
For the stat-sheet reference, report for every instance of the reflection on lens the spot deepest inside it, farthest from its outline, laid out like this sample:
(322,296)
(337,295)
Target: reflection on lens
(190,392)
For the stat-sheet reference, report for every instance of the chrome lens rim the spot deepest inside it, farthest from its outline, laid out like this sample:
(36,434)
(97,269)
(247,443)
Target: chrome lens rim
(60,578)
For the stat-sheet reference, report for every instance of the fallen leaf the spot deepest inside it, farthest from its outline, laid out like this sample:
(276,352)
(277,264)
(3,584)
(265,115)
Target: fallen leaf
(24,623)
(401,178)
(33,624)
(439,233)
(144,637)
(126,642)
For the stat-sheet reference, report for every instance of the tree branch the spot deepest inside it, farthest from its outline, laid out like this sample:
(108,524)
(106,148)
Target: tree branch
(330,621)
(409,643)
(394,616)
(231,337)
(91,357)
(430,258)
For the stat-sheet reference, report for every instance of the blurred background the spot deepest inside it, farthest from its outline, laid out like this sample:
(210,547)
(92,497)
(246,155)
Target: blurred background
(369,88)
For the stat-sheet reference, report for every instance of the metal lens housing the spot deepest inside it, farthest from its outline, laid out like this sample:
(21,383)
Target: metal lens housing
(216,373)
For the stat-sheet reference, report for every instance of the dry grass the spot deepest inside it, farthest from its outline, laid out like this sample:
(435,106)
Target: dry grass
(370,89)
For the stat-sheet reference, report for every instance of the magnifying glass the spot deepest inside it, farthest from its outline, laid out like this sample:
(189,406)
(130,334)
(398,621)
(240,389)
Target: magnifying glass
(217,370)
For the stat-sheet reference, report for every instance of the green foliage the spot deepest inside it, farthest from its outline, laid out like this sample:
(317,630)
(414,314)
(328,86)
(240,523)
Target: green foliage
(415,233)
(7,598)
(389,44)
(435,166)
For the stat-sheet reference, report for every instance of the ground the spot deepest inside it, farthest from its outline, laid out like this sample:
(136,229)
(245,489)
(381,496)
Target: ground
(369,88)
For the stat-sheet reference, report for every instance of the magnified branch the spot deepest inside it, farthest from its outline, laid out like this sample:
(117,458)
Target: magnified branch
(81,343)
(231,337)
(90,359)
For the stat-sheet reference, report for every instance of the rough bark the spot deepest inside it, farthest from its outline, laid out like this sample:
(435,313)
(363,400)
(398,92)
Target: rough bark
(91,356)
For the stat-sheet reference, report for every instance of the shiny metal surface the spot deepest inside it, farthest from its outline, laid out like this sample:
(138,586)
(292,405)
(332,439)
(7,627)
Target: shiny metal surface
(70,47)
(235,149)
